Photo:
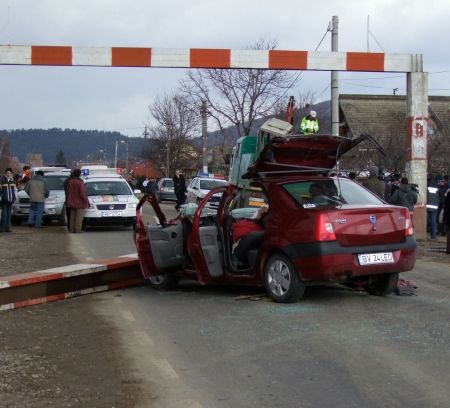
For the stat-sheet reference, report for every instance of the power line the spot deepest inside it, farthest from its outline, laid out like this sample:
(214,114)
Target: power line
(301,72)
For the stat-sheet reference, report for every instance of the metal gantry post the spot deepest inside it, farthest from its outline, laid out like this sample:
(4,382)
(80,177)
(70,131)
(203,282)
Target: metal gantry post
(416,142)
(334,81)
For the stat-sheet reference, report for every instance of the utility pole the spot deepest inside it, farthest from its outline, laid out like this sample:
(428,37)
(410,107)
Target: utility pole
(126,154)
(334,81)
(146,133)
(204,137)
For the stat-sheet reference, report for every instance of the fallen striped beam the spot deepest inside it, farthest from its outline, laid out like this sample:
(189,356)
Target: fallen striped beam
(208,58)
(66,282)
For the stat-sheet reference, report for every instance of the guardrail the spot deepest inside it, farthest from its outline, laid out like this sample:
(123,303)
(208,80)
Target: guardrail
(69,281)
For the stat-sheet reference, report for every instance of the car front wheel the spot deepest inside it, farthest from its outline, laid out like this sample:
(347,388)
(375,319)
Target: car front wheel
(282,282)
(381,285)
(166,281)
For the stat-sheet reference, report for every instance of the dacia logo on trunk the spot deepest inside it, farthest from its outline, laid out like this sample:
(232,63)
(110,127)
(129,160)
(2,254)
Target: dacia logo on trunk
(373,219)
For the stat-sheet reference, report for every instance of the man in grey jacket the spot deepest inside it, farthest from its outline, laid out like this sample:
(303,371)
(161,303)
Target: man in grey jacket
(37,189)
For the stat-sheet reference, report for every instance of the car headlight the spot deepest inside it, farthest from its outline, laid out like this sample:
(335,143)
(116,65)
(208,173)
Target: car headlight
(132,205)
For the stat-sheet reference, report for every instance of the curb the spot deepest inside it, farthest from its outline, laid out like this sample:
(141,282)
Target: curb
(33,288)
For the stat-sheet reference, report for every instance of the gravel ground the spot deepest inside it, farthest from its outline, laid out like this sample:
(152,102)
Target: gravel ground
(58,354)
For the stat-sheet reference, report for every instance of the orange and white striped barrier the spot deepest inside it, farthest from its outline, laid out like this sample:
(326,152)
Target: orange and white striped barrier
(65,282)
(208,58)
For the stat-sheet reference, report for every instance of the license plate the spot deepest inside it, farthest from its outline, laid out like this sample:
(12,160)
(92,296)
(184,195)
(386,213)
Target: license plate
(111,213)
(374,259)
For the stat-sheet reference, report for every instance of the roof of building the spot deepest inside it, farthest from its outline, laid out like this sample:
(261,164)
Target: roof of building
(382,114)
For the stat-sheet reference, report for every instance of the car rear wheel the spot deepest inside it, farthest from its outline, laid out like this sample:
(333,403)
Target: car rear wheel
(282,282)
(166,281)
(381,285)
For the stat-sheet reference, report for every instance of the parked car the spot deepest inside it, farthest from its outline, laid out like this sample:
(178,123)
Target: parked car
(111,199)
(318,228)
(54,208)
(165,190)
(200,186)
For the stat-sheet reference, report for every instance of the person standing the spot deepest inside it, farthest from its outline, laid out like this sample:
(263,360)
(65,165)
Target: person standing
(179,185)
(77,201)
(309,124)
(8,196)
(152,186)
(66,184)
(37,189)
(404,196)
(373,183)
(432,205)
(447,218)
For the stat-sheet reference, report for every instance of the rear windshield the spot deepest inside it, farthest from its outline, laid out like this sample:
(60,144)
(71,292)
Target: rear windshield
(330,192)
(209,184)
(167,183)
(107,188)
(55,182)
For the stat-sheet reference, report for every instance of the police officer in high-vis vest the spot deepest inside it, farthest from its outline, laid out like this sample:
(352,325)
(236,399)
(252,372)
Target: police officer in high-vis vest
(309,124)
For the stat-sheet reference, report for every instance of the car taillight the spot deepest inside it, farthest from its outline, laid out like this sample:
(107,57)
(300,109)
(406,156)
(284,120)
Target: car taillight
(324,229)
(409,227)
(162,189)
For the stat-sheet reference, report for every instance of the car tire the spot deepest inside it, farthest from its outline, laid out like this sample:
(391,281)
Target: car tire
(381,285)
(167,281)
(62,217)
(281,280)
(16,221)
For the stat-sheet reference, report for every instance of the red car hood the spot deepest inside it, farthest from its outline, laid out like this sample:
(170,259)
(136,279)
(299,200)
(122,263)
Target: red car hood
(306,154)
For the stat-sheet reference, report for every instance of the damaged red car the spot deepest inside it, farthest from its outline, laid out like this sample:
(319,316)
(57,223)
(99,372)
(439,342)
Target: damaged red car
(318,228)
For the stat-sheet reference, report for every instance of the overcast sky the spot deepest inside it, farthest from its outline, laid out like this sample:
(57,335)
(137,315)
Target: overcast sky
(117,99)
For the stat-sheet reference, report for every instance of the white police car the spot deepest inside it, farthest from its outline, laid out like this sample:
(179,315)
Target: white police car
(111,199)
(200,186)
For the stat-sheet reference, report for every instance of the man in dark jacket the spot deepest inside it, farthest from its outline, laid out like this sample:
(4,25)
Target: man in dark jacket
(37,189)
(404,196)
(373,183)
(432,206)
(8,196)
(179,184)
(447,217)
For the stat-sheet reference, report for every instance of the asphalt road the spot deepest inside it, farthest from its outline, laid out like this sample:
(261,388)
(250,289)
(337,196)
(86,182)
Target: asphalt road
(213,347)
(209,347)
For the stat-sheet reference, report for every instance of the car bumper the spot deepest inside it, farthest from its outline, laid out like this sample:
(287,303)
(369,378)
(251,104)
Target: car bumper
(167,197)
(330,261)
(50,211)
(109,220)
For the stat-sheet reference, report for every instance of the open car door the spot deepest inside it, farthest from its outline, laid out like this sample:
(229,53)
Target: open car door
(159,247)
(312,153)
(205,246)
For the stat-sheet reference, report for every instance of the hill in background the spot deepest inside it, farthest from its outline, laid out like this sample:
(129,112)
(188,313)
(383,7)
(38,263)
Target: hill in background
(94,145)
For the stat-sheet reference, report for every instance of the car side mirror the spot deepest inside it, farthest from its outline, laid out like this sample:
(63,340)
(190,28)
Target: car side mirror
(137,191)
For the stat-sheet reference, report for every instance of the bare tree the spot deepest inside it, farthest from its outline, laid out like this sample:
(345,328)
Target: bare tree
(238,96)
(5,156)
(170,145)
